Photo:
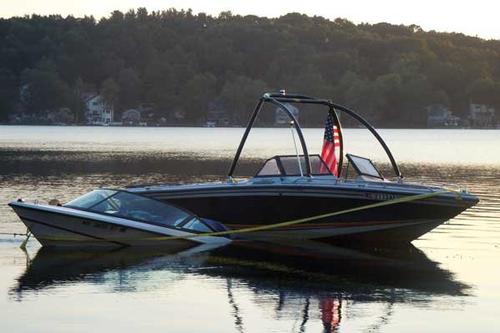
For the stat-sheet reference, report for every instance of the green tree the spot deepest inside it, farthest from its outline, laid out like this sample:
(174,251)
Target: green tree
(44,89)
(198,93)
(77,104)
(8,93)
(130,88)
(484,90)
(389,72)
(110,92)
(239,94)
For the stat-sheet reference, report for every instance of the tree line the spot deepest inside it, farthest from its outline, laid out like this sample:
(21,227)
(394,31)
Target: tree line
(184,63)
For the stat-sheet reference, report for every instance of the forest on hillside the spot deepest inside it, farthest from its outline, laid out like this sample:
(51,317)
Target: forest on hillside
(177,61)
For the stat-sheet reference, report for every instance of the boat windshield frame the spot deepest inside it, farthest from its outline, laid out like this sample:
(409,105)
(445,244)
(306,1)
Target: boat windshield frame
(180,225)
(281,100)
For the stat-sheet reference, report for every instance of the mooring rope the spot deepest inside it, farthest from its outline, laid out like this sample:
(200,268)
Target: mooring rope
(15,234)
(309,219)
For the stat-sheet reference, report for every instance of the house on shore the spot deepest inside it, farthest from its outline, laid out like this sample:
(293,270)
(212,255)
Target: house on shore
(97,112)
(440,116)
(131,117)
(59,116)
(217,118)
(482,115)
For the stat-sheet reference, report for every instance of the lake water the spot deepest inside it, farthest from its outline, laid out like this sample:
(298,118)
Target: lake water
(447,281)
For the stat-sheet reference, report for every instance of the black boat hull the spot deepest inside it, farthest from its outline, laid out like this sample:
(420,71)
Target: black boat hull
(402,222)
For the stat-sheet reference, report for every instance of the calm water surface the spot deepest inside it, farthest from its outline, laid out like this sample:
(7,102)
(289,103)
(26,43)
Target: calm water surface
(447,281)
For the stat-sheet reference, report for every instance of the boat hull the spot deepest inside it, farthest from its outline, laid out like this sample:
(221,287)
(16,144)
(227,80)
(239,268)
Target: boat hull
(260,206)
(60,226)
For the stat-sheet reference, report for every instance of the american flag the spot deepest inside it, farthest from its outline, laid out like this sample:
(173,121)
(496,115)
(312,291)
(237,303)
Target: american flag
(331,313)
(331,146)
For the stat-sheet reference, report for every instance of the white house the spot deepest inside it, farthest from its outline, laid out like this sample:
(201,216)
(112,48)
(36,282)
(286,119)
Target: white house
(98,112)
(482,116)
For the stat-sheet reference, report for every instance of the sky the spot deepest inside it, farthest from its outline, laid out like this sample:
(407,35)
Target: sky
(475,18)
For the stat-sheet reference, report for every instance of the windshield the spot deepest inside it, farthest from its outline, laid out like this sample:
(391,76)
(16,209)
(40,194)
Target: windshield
(289,166)
(90,199)
(364,166)
(128,205)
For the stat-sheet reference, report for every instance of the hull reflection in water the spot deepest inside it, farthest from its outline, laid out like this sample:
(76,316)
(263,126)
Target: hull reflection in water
(291,281)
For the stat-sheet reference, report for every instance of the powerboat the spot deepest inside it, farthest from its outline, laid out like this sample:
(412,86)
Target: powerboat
(106,217)
(304,189)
